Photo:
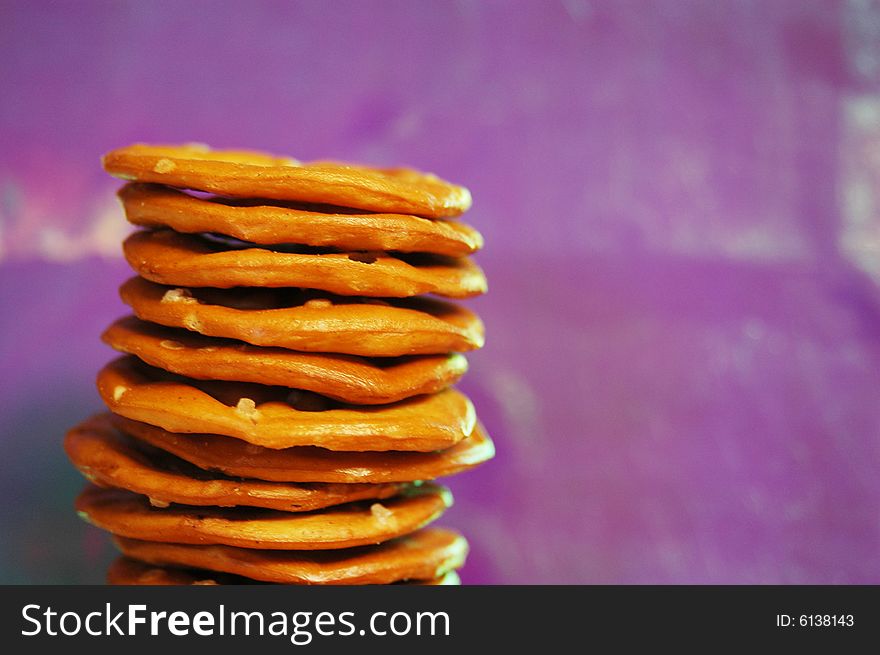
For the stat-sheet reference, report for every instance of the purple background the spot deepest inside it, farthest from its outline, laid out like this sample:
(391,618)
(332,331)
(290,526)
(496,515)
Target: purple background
(680,205)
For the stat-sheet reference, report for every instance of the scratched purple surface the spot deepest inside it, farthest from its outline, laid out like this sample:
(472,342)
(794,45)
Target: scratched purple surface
(683,242)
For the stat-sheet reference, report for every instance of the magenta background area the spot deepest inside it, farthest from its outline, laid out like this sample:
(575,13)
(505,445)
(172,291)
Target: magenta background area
(680,205)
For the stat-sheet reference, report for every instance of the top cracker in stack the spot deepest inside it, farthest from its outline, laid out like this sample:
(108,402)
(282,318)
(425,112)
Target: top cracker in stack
(285,397)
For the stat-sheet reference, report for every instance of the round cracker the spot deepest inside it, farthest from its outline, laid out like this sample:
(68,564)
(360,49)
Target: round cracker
(249,174)
(423,555)
(125,571)
(166,257)
(264,415)
(290,318)
(346,378)
(109,458)
(345,526)
(152,205)
(308,464)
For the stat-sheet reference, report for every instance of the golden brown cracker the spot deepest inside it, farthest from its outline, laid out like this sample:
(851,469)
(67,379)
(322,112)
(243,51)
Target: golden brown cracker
(423,555)
(126,571)
(310,322)
(276,417)
(309,464)
(153,205)
(187,260)
(259,175)
(111,459)
(345,526)
(343,377)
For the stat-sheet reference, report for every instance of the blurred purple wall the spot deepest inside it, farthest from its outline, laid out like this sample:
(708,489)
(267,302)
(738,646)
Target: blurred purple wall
(680,201)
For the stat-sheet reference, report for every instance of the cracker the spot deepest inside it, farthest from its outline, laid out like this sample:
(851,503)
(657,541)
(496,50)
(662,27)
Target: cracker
(343,377)
(166,257)
(152,205)
(310,322)
(423,555)
(258,175)
(307,464)
(125,571)
(346,526)
(274,417)
(111,459)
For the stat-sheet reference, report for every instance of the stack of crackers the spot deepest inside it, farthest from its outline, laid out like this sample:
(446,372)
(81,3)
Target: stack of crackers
(284,399)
